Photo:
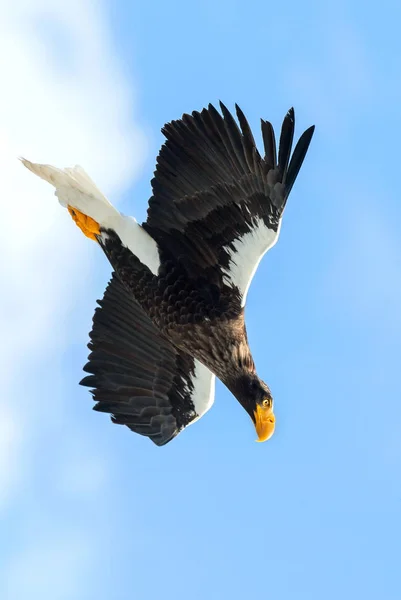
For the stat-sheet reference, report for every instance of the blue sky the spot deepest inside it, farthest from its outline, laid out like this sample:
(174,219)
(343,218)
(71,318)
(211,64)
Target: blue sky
(91,511)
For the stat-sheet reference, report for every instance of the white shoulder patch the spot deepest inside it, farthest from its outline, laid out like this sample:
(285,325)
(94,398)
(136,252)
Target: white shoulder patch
(75,188)
(246,253)
(136,239)
(204,388)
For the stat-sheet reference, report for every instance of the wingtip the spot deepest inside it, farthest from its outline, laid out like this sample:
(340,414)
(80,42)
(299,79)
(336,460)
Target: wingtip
(290,114)
(212,109)
(239,112)
(88,381)
(308,134)
(223,107)
(298,157)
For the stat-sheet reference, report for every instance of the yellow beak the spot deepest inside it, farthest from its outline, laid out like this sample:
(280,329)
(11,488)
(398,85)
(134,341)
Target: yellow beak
(265,423)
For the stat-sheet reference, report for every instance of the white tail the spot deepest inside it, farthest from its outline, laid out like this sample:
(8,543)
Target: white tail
(74,188)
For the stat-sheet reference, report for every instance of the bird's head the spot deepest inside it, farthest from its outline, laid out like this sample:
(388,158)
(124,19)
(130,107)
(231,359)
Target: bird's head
(255,396)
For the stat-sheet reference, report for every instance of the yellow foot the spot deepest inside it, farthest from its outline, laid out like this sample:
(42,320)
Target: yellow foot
(87,225)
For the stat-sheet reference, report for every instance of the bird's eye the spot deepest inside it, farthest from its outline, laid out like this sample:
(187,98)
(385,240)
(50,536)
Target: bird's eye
(266,403)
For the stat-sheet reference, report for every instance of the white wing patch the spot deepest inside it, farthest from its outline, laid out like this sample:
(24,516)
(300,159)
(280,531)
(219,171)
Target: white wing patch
(75,188)
(247,253)
(204,388)
(136,239)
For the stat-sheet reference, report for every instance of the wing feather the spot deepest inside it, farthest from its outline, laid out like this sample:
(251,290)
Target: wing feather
(138,376)
(217,204)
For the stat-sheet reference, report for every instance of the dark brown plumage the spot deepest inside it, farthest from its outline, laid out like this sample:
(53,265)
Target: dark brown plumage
(209,186)
(173,315)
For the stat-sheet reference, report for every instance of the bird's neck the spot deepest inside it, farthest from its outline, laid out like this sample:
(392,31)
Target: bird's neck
(236,378)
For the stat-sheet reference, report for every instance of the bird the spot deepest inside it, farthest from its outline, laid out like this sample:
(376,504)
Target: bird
(172,317)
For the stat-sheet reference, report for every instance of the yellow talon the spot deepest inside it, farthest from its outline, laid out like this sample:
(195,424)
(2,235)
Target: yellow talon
(87,225)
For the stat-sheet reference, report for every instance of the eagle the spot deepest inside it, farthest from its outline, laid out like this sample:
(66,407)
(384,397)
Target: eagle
(172,317)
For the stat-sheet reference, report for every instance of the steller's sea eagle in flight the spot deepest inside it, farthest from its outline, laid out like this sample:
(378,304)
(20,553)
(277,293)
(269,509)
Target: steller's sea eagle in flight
(172,316)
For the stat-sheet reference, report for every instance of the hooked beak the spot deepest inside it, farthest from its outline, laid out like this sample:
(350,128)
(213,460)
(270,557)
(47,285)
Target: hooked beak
(265,422)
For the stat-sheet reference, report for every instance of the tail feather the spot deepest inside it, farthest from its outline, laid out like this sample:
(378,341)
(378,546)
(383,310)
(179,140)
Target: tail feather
(75,189)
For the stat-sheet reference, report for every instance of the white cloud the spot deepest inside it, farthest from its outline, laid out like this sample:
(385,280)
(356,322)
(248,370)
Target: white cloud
(11,433)
(64,103)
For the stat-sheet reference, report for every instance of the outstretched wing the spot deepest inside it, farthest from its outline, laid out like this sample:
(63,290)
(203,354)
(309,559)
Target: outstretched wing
(217,203)
(138,376)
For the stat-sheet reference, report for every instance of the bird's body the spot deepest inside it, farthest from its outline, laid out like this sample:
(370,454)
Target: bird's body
(172,316)
(190,312)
